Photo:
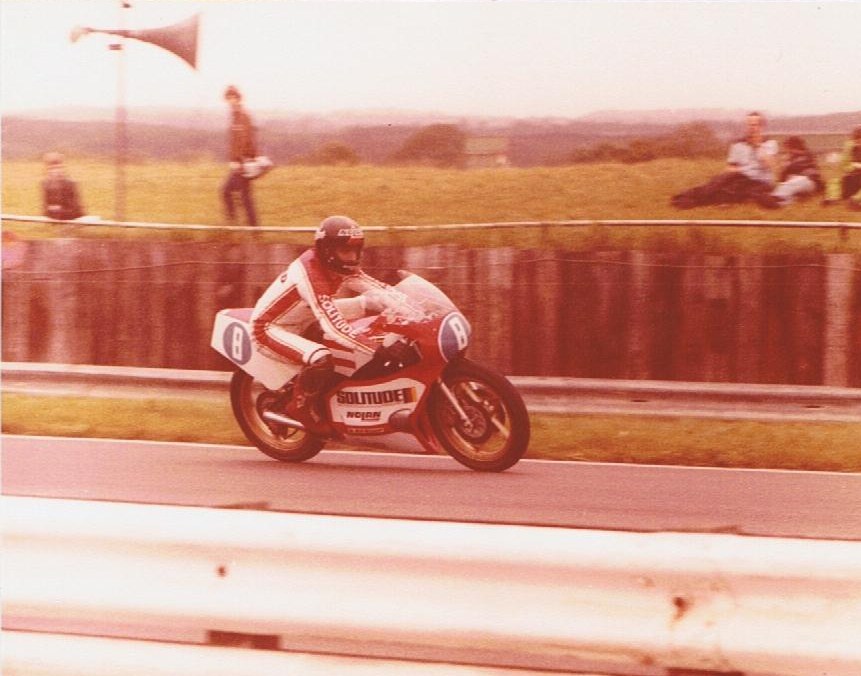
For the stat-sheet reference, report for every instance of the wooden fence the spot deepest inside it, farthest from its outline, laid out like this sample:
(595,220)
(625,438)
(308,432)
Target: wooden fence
(777,318)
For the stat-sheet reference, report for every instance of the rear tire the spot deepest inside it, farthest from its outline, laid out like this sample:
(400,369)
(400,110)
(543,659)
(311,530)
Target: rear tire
(249,398)
(497,434)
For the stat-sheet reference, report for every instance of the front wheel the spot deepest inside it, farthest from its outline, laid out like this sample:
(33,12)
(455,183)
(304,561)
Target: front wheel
(479,417)
(249,399)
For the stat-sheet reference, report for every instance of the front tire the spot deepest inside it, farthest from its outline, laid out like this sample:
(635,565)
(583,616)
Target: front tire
(496,434)
(249,398)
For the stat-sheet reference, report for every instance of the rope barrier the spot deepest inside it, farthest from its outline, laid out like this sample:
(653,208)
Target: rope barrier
(51,275)
(85,222)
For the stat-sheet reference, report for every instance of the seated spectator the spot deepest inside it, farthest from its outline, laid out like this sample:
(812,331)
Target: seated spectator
(849,186)
(59,192)
(800,176)
(749,174)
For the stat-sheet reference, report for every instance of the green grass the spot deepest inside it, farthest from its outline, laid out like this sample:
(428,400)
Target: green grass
(173,192)
(596,438)
(154,419)
(700,442)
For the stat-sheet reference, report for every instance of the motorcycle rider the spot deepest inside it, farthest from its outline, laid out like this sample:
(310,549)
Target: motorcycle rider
(326,286)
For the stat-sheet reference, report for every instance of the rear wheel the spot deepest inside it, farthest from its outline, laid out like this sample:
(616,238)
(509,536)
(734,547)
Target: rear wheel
(249,399)
(490,432)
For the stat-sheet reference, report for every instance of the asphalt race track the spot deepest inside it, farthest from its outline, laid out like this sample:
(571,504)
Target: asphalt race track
(819,505)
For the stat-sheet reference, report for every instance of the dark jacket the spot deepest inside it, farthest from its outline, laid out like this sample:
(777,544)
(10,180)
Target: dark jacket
(60,198)
(242,142)
(803,164)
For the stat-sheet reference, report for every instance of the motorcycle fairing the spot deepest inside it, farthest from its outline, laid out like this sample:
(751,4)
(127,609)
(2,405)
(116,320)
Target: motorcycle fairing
(231,338)
(369,407)
(412,436)
(453,335)
(400,442)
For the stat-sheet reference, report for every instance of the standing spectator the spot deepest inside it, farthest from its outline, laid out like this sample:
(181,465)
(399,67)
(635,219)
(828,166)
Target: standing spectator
(749,175)
(242,149)
(849,187)
(800,175)
(59,192)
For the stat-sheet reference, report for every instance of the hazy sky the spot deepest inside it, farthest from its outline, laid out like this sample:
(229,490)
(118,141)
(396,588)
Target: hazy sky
(520,58)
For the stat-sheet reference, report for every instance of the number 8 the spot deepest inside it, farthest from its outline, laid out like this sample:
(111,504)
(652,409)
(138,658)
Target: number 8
(460,333)
(236,344)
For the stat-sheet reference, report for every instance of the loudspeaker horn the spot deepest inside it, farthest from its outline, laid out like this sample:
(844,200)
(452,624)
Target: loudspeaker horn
(179,38)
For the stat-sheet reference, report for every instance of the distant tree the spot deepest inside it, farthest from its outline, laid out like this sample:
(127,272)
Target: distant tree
(602,152)
(440,145)
(696,139)
(641,150)
(334,154)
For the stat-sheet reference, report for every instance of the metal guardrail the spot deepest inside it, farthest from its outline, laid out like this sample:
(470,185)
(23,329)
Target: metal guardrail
(716,223)
(700,602)
(542,395)
(49,654)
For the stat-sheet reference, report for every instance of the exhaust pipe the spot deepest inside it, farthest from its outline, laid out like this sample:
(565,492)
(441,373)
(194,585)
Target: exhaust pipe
(271,416)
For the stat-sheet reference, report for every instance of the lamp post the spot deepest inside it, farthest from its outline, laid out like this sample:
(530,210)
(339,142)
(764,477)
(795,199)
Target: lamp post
(179,39)
(121,141)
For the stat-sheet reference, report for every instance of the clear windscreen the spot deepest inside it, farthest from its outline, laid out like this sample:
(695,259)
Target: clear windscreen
(414,299)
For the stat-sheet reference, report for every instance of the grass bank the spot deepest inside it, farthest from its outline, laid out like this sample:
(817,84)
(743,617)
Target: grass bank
(595,438)
(173,192)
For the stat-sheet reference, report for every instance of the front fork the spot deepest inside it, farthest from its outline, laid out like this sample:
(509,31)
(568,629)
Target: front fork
(446,390)
(464,418)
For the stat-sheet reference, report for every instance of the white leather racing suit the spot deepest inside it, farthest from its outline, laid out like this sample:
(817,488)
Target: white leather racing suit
(307,292)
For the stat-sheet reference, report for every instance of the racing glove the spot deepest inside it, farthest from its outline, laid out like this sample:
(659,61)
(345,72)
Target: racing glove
(374,303)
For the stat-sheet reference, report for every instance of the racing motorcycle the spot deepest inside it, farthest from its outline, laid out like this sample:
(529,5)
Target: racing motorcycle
(418,394)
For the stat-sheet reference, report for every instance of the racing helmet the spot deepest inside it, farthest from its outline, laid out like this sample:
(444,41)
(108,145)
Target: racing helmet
(338,242)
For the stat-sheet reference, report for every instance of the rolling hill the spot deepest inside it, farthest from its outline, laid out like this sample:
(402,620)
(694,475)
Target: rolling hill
(373,135)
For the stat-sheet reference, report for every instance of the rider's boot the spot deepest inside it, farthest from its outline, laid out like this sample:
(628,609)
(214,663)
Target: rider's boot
(310,385)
